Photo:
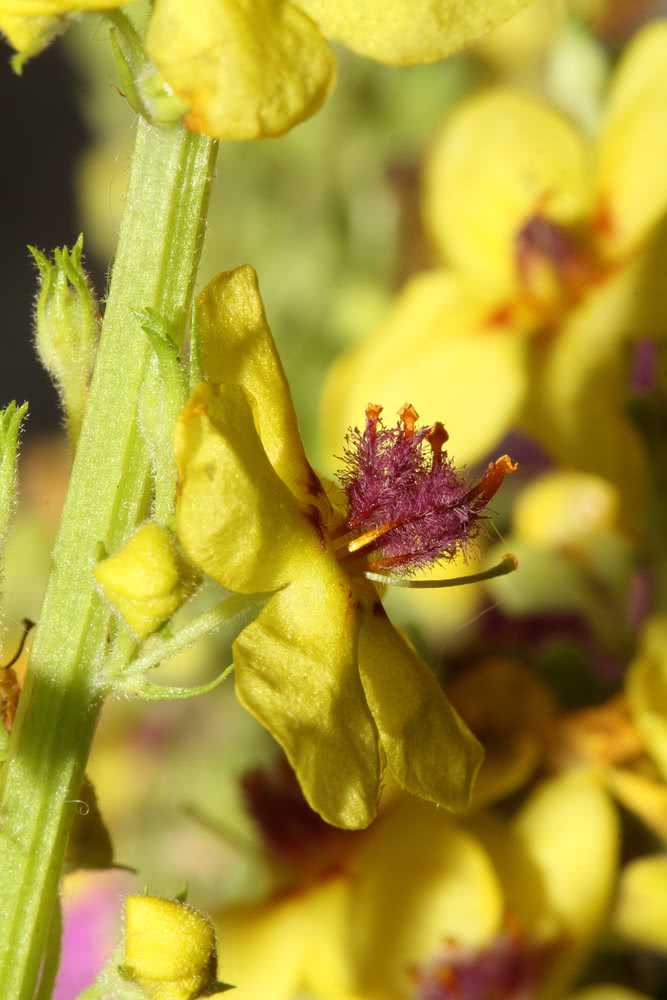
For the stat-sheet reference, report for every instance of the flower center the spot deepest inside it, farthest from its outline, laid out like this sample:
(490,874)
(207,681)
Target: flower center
(554,267)
(407,507)
(509,968)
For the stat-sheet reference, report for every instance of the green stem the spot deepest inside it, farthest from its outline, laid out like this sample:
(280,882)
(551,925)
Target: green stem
(109,494)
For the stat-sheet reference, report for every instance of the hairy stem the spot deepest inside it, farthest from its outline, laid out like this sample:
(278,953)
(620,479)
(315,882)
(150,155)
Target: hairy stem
(109,494)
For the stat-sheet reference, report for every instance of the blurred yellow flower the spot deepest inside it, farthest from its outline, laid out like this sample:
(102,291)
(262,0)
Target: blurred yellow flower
(553,251)
(421,900)
(321,667)
(254,68)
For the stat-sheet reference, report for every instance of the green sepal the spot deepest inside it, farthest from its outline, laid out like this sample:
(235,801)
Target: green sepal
(146,90)
(135,686)
(10,424)
(124,54)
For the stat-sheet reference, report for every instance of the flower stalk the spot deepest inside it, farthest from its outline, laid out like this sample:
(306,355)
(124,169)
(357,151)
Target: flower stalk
(109,494)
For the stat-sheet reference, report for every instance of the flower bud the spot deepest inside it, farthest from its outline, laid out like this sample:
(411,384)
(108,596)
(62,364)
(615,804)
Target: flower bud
(66,329)
(147,580)
(10,424)
(169,949)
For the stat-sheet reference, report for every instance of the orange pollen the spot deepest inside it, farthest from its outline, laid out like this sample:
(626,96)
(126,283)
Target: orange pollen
(373,412)
(492,479)
(409,416)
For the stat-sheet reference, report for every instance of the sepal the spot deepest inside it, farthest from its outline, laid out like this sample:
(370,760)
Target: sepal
(67,329)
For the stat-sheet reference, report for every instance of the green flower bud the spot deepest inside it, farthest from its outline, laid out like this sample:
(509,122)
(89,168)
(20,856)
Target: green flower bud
(67,328)
(147,580)
(10,424)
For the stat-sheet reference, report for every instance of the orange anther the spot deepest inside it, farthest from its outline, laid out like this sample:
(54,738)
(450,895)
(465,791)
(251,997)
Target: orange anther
(373,412)
(436,437)
(491,481)
(409,416)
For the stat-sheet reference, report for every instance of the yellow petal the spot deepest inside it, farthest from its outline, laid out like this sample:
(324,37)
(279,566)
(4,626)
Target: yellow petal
(237,347)
(565,509)
(512,713)
(500,159)
(645,796)
(641,910)
(419,881)
(274,949)
(247,68)
(569,831)
(430,752)
(647,691)
(147,580)
(296,672)
(439,350)
(235,518)
(403,32)
(30,34)
(632,187)
(577,405)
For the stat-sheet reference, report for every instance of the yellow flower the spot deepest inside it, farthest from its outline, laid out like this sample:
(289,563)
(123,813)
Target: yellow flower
(553,249)
(322,667)
(254,68)
(422,899)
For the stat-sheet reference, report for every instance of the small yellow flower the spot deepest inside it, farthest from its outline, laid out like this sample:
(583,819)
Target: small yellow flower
(321,667)
(146,580)
(554,252)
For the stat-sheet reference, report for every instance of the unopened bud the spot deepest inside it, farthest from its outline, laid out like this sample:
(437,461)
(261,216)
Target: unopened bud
(67,328)
(169,949)
(147,580)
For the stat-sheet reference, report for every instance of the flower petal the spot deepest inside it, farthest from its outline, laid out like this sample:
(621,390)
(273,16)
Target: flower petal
(647,691)
(419,880)
(430,752)
(631,183)
(247,68)
(296,672)
(577,870)
(641,910)
(235,518)
(500,159)
(577,404)
(565,509)
(403,32)
(299,938)
(236,346)
(440,349)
